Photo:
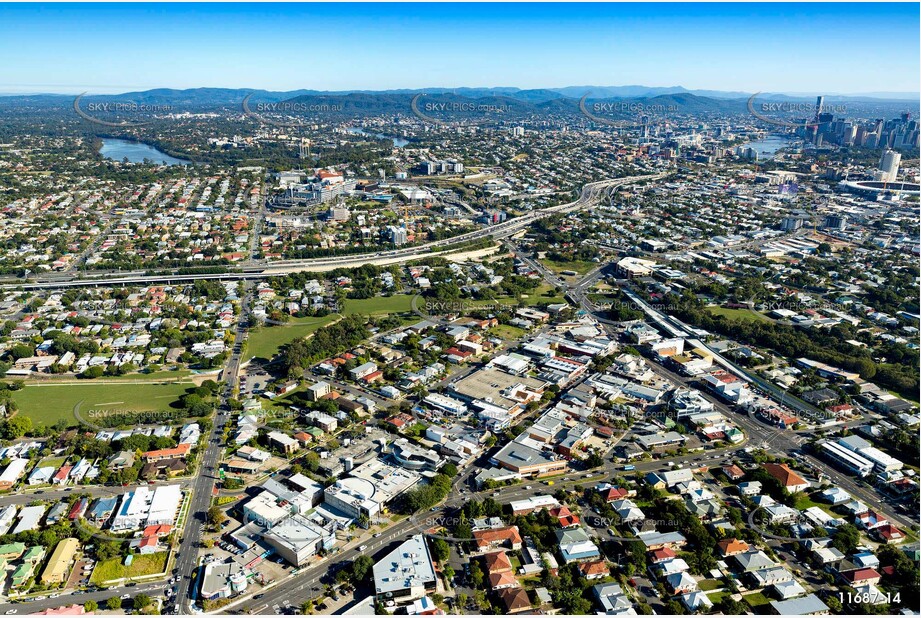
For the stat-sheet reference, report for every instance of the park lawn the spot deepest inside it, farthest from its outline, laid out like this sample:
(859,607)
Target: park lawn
(379,305)
(148,564)
(579,266)
(48,403)
(743,315)
(542,294)
(804,501)
(267,340)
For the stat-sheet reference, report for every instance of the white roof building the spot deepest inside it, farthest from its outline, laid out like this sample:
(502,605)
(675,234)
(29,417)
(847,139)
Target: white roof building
(164,505)
(406,573)
(13,472)
(29,517)
(134,508)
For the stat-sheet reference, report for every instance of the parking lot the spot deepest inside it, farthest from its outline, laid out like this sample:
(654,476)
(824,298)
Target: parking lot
(253,379)
(80,576)
(225,550)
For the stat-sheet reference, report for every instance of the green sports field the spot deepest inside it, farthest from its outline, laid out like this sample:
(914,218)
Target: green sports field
(45,404)
(581,267)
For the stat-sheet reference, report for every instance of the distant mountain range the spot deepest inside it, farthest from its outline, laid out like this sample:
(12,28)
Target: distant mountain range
(621,103)
(205,96)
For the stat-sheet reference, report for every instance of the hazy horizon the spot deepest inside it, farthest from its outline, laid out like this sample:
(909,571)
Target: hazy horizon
(787,48)
(882,96)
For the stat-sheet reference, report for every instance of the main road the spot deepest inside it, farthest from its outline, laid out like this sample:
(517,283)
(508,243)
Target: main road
(784,441)
(202,488)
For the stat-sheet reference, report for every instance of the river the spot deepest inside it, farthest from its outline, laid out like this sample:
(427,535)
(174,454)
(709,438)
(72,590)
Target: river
(136,152)
(768,147)
(398,142)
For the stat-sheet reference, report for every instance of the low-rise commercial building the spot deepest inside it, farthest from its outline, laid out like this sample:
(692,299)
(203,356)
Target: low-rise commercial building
(297,539)
(405,574)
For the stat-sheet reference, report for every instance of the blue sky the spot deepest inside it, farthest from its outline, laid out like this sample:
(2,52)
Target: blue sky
(828,47)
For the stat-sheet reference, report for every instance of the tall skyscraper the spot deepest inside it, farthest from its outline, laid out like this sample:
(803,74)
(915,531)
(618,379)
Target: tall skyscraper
(889,165)
(819,102)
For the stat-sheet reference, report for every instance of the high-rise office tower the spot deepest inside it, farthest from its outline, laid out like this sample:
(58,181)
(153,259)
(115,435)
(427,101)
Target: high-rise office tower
(819,102)
(889,165)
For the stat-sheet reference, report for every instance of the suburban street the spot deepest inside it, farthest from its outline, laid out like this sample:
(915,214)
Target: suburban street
(307,583)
